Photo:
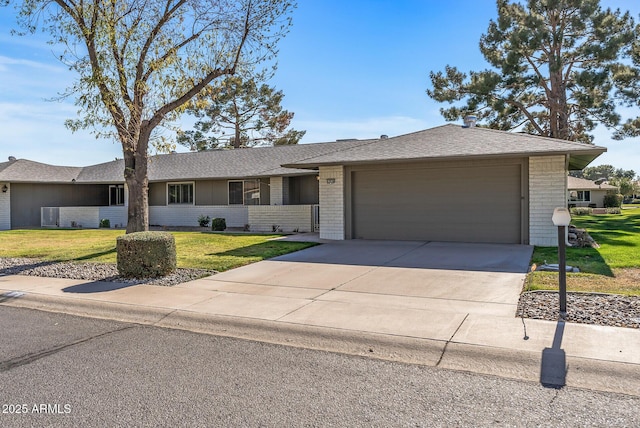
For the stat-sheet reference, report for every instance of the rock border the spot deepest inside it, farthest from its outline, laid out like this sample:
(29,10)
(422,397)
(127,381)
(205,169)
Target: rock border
(612,310)
(92,272)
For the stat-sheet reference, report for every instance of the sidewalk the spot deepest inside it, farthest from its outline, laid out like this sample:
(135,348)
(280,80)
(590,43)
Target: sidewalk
(409,329)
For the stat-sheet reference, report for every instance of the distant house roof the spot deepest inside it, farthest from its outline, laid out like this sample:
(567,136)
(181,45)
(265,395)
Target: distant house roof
(443,142)
(574,183)
(454,141)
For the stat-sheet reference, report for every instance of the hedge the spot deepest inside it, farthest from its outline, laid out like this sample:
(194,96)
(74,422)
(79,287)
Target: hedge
(146,254)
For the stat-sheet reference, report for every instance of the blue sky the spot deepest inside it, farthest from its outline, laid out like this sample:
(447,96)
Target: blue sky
(349,69)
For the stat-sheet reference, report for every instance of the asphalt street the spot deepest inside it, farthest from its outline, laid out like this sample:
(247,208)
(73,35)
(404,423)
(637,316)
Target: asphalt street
(62,370)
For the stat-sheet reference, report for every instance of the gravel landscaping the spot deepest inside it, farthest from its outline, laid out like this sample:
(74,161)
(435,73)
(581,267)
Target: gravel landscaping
(587,308)
(90,272)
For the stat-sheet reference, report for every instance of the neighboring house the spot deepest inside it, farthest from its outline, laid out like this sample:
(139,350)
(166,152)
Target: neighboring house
(586,193)
(447,183)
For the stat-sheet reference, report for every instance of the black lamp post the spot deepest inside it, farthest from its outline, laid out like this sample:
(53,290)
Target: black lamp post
(562,218)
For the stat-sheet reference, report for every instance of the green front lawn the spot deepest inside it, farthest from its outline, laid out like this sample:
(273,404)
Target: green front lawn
(612,268)
(199,250)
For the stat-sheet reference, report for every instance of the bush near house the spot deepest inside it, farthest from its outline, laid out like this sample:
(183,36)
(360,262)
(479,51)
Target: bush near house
(581,211)
(612,200)
(218,224)
(203,221)
(146,254)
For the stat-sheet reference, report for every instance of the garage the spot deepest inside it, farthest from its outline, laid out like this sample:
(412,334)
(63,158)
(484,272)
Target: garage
(449,183)
(453,202)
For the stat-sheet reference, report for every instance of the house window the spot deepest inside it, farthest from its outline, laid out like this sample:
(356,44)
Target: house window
(244,192)
(180,193)
(580,196)
(116,194)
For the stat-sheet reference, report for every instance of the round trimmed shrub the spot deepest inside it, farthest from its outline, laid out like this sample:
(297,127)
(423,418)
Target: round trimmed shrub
(146,254)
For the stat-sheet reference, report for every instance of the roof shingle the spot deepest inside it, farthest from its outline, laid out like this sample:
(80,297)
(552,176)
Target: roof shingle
(453,141)
(448,141)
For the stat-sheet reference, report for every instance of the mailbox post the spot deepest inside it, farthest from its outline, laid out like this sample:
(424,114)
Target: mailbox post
(561,218)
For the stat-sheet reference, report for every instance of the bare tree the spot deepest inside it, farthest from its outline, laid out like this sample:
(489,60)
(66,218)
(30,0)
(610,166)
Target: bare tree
(141,63)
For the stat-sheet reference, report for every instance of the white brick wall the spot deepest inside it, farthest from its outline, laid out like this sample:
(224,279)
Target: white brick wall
(235,216)
(332,202)
(547,190)
(117,215)
(5,208)
(275,188)
(89,217)
(86,217)
(262,218)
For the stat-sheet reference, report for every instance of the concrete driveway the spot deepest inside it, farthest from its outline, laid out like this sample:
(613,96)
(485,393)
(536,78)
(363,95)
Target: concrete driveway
(408,288)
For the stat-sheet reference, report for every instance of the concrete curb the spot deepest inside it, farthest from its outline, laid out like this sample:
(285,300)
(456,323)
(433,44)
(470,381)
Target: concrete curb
(380,346)
(599,375)
(502,362)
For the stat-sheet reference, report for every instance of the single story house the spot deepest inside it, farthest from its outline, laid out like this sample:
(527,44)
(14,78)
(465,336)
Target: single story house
(448,183)
(587,193)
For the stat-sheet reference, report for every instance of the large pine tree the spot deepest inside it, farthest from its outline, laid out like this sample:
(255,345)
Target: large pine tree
(558,69)
(241,111)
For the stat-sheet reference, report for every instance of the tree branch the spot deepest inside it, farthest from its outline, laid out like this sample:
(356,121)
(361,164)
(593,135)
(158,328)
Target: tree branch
(215,73)
(122,77)
(88,33)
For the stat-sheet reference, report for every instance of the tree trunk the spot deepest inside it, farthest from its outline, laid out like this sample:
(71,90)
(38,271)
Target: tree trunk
(135,176)
(558,109)
(237,142)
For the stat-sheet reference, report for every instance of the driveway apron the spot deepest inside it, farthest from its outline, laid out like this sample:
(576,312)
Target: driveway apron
(408,288)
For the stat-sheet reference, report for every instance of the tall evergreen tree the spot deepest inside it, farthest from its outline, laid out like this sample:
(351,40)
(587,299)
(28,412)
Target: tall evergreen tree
(241,112)
(559,68)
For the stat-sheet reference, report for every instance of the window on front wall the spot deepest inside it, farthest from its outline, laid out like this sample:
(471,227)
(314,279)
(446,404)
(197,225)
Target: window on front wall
(180,193)
(116,194)
(580,196)
(244,192)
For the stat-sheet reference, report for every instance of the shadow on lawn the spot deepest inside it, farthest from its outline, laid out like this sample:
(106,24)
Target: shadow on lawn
(94,255)
(588,260)
(265,250)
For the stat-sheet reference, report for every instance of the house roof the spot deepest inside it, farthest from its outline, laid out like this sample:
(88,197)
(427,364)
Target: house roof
(443,142)
(214,164)
(453,141)
(574,183)
(4,165)
(238,163)
(23,170)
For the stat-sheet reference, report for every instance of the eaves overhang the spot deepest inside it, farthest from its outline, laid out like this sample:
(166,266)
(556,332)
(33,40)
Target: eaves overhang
(577,160)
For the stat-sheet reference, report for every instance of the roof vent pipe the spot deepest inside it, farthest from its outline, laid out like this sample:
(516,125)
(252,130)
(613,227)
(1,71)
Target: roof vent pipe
(470,121)
(12,158)
(384,136)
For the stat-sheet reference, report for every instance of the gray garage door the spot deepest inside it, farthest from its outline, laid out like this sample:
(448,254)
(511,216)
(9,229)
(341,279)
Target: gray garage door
(475,204)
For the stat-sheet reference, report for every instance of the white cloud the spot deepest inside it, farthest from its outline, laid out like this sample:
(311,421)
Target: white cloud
(37,132)
(42,66)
